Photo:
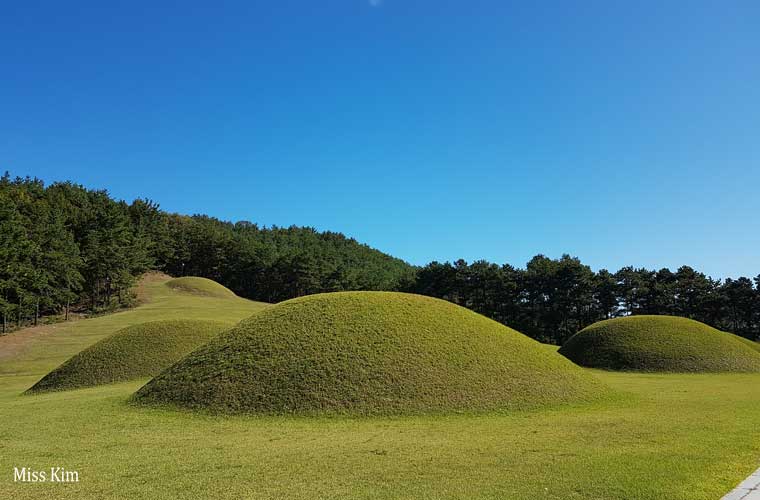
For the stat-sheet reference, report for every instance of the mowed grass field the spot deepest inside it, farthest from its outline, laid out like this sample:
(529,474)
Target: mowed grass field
(665,436)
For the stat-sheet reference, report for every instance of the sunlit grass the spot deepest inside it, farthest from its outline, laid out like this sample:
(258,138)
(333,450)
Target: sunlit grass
(199,286)
(689,437)
(48,351)
(134,352)
(371,353)
(684,437)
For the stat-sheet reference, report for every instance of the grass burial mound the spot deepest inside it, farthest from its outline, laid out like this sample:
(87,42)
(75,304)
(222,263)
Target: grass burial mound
(369,353)
(660,344)
(135,352)
(200,286)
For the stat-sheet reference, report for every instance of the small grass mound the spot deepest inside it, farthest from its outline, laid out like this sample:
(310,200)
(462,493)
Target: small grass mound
(200,286)
(369,353)
(137,351)
(660,344)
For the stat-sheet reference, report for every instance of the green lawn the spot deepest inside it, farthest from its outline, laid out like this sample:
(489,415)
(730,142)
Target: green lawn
(667,436)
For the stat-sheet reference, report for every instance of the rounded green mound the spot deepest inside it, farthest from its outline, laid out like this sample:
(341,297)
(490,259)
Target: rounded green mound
(369,353)
(200,286)
(135,352)
(660,344)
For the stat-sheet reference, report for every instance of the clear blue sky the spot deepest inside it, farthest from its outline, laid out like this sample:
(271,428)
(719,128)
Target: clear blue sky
(620,132)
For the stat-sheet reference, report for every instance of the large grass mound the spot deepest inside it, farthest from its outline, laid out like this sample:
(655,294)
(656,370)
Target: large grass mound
(137,351)
(200,286)
(660,343)
(369,353)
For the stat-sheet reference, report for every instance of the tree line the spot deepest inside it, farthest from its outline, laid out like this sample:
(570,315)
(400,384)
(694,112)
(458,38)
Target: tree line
(65,247)
(551,299)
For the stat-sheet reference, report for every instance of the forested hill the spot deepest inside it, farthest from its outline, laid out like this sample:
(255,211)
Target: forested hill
(274,264)
(64,245)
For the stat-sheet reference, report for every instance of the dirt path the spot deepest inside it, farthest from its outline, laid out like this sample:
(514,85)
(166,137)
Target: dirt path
(15,342)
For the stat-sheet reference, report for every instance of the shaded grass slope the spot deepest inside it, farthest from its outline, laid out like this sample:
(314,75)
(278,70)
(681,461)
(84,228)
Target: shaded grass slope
(369,353)
(137,351)
(200,286)
(660,344)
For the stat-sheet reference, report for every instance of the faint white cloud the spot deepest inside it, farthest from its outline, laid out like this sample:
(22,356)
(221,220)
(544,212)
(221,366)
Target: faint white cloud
(376,3)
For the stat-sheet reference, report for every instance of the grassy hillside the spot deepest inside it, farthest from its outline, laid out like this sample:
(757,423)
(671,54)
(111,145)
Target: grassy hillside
(34,352)
(200,286)
(370,353)
(660,343)
(135,352)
